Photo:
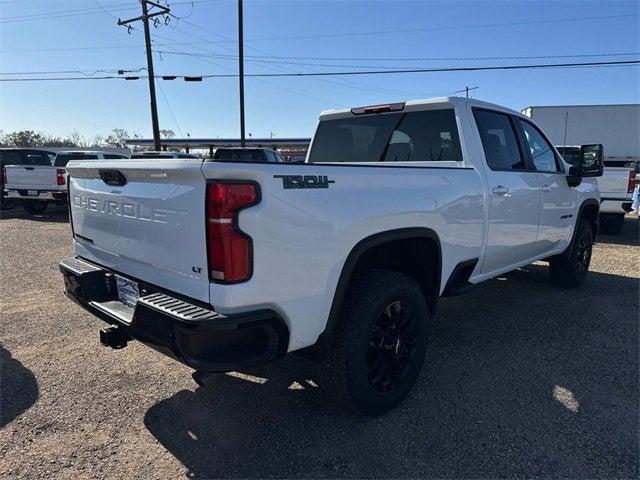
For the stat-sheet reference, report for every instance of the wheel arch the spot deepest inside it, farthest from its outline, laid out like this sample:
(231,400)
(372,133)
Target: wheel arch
(417,243)
(589,210)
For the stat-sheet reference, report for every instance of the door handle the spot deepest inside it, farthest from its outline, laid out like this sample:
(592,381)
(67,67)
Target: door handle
(500,190)
(546,188)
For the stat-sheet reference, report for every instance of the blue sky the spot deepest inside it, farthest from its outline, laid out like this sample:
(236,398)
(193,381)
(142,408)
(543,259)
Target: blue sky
(290,106)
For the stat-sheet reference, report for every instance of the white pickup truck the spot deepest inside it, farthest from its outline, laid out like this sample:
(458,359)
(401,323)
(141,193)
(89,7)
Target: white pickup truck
(226,265)
(616,189)
(38,185)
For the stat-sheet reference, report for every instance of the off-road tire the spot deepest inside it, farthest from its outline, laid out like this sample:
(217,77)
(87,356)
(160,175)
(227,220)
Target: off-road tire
(569,269)
(34,207)
(345,374)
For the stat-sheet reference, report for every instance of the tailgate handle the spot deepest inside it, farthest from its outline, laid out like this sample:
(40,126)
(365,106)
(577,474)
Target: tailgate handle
(113,177)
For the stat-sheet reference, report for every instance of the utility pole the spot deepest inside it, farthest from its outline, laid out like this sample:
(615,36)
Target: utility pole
(467,90)
(241,71)
(152,82)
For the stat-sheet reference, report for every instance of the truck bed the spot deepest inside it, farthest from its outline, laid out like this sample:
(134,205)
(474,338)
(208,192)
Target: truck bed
(309,217)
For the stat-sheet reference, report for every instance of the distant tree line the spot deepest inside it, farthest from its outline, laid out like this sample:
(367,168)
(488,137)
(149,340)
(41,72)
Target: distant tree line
(31,139)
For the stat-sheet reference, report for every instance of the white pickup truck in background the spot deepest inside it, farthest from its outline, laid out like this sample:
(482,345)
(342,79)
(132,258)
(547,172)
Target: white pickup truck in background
(616,188)
(38,185)
(226,265)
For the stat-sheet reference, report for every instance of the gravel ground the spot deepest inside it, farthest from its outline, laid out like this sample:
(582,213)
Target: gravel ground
(522,380)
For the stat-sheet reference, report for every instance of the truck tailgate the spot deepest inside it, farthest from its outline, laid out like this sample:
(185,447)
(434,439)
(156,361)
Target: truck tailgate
(614,183)
(144,219)
(36,177)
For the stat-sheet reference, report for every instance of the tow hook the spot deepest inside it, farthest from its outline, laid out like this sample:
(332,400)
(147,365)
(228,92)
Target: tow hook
(113,337)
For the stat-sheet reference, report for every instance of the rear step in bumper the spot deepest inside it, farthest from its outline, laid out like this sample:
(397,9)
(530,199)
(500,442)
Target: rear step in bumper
(183,329)
(42,195)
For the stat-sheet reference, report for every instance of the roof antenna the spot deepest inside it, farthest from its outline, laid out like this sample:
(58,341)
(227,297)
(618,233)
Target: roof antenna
(566,121)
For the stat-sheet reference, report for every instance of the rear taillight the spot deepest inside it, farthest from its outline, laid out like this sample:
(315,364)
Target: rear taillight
(632,182)
(60,175)
(229,249)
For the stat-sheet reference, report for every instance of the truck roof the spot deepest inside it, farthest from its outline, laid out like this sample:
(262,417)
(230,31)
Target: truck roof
(414,105)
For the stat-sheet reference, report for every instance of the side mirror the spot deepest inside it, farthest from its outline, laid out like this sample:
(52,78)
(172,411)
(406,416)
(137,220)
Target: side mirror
(590,164)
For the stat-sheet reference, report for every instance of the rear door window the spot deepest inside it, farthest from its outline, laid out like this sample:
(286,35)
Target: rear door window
(424,136)
(498,140)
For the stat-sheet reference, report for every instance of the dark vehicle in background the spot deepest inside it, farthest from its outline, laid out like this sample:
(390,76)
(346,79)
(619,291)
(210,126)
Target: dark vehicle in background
(262,155)
(20,156)
(38,184)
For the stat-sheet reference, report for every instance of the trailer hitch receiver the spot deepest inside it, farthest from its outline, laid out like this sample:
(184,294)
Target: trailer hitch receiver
(113,337)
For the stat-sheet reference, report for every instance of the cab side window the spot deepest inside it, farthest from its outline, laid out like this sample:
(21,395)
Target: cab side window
(498,140)
(542,154)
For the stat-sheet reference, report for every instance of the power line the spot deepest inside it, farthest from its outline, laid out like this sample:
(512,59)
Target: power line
(278,60)
(117,7)
(166,101)
(418,59)
(105,10)
(356,85)
(446,27)
(8,20)
(85,72)
(627,63)
(289,90)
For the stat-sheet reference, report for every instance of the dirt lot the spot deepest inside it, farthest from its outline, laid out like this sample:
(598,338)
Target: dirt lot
(522,380)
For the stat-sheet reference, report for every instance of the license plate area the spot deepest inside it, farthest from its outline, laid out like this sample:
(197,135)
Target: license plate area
(128,291)
(32,193)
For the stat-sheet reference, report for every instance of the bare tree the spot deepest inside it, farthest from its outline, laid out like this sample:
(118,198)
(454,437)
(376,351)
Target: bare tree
(97,141)
(76,139)
(53,141)
(116,138)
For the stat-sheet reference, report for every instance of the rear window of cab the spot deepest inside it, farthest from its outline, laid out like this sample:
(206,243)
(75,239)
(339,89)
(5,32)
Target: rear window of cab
(422,136)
